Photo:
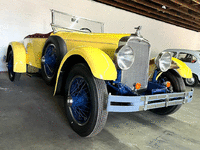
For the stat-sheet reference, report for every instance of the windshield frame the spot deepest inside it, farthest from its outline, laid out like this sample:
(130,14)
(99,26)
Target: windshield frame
(56,27)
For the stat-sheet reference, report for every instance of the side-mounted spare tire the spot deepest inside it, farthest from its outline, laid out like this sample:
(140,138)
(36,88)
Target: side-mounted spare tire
(53,52)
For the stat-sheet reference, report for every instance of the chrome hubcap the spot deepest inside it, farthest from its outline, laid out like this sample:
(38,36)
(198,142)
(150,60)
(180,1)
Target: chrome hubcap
(190,81)
(43,59)
(69,101)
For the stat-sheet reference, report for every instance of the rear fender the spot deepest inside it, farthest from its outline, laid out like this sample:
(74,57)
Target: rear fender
(19,55)
(100,64)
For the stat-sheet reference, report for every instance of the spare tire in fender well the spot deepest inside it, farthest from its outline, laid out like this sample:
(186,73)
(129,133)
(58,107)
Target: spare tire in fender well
(60,49)
(60,42)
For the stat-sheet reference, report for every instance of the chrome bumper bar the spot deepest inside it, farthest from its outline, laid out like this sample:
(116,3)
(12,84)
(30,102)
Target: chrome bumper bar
(143,103)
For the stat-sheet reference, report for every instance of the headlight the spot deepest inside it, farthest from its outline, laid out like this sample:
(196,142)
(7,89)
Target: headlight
(125,57)
(163,61)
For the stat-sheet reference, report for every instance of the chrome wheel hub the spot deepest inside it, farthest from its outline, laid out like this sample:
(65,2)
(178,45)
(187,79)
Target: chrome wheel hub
(43,59)
(69,101)
(190,81)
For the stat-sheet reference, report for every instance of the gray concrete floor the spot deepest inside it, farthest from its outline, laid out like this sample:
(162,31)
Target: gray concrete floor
(31,119)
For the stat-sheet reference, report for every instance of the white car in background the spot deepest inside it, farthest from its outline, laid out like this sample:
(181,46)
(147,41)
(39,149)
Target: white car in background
(192,59)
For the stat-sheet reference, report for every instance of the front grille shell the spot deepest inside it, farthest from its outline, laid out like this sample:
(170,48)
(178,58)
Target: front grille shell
(138,72)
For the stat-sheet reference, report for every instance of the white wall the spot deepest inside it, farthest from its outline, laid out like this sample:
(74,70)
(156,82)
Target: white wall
(22,17)
(198,46)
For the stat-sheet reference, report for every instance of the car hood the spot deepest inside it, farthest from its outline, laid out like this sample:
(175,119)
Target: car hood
(104,38)
(107,42)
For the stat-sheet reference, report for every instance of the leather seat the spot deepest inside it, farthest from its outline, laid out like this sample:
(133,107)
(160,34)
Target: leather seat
(38,35)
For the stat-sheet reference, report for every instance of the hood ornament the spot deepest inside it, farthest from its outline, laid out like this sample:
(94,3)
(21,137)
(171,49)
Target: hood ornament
(137,32)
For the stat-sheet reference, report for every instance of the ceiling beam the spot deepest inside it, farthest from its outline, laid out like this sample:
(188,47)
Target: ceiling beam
(128,8)
(196,1)
(164,15)
(179,9)
(159,8)
(184,4)
(169,11)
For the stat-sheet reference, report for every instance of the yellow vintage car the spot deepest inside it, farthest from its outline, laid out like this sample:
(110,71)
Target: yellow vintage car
(100,72)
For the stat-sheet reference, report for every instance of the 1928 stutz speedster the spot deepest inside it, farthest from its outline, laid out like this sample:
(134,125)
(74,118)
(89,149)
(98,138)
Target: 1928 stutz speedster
(99,73)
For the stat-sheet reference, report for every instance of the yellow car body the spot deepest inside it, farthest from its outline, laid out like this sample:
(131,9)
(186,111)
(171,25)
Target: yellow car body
(97,50)
(180,67)
(19,53)
(100,72)
(93,45)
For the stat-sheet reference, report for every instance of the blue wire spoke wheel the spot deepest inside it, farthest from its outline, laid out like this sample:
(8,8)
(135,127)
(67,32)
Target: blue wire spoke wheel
(12,75)
(52,54)
(85,101)
(49,61)
(10,65)
(79,100)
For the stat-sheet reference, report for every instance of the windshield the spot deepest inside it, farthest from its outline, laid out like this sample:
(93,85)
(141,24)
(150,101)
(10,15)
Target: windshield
(65,22)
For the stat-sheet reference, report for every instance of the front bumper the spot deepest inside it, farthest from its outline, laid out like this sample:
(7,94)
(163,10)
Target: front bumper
(143,103)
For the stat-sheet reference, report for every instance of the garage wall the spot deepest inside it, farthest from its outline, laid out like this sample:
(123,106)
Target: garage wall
(198,45)
(22,17)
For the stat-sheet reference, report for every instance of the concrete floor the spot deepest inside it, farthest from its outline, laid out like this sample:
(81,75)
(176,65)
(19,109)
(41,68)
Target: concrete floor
(31,119)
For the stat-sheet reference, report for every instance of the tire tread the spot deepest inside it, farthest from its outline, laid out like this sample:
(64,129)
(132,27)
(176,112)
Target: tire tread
(100,94)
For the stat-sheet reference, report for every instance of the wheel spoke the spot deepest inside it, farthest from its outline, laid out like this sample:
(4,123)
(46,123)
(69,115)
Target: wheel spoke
(80,106)
(82,114)
(49,68)
(76,89)
(80,90)
(49,61)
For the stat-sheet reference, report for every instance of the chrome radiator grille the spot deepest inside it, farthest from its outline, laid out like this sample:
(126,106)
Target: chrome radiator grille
(139,70)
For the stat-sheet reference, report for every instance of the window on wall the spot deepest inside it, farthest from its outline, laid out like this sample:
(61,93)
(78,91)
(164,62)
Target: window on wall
(185,57)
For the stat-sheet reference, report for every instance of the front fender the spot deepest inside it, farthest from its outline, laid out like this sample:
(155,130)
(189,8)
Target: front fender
(177,64)
(101,65)
(183,69)
(19,55)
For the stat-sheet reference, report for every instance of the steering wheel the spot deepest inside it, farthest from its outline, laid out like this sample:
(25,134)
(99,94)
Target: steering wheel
(86,29)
